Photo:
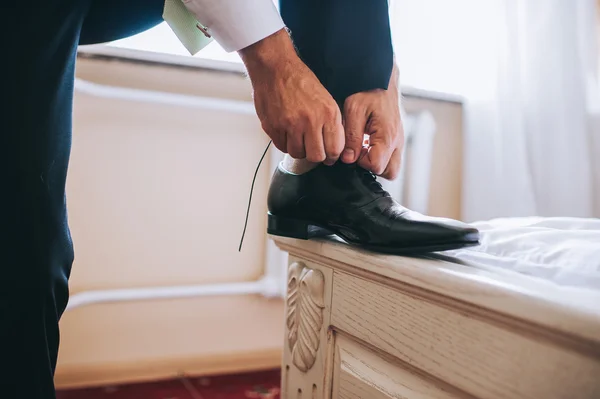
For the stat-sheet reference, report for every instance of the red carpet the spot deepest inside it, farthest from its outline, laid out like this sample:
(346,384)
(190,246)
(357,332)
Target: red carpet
(260,385)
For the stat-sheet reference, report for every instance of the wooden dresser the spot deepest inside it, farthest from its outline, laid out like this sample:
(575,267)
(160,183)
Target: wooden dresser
(360,325)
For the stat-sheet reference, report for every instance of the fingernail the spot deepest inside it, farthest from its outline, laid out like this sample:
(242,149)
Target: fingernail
(348,154)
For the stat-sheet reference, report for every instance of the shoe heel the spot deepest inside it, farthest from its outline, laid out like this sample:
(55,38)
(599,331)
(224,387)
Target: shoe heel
(286,227)
(294,228)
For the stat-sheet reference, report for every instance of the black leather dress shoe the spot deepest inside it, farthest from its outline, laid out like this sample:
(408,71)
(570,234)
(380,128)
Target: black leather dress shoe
(347,201)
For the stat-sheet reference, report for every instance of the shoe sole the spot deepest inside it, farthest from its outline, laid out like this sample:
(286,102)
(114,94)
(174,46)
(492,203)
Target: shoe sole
(294,228)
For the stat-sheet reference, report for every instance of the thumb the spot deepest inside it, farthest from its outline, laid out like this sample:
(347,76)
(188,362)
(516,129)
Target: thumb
(355,120)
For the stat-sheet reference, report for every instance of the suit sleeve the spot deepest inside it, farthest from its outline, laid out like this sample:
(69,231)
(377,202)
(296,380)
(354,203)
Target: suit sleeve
(109,20)
(347,43)
(236,24)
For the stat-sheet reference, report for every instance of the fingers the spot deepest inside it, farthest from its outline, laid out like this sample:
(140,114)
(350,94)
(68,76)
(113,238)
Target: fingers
(382,143)
(295,144)
(393,167)
(279,138)
(376,159)
(322,139)
(315,134)
(355,120)
(333,135)
(313,142)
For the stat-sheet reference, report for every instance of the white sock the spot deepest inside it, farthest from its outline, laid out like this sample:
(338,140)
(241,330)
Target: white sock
(297,166)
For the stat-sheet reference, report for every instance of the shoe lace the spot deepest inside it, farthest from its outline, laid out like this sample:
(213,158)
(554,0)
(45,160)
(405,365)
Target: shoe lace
(367,177)
(251,190)
(370,179)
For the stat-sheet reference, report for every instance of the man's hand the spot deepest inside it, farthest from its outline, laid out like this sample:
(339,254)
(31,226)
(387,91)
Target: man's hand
(376,113)
(295,110)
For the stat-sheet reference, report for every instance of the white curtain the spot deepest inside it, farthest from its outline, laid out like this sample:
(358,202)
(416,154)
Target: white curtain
(528,70)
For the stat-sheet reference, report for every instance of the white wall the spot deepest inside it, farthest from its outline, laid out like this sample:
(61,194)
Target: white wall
(157,196)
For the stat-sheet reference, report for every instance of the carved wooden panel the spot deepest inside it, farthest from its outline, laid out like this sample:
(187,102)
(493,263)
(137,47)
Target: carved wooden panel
(305,304)
(308,351)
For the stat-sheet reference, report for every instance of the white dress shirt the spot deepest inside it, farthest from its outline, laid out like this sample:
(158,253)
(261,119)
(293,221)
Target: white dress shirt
(236,24)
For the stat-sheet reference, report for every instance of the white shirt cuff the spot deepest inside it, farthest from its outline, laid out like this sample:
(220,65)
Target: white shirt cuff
(236,24)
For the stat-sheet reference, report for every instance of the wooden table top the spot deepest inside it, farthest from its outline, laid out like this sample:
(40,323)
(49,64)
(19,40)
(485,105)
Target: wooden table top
(572,314)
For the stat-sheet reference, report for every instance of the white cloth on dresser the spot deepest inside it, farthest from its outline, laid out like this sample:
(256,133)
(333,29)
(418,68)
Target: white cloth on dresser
(563,250)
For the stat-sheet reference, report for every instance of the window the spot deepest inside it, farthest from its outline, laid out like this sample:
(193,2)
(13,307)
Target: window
(433,39)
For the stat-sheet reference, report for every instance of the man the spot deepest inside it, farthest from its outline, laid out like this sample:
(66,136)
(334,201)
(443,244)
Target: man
(346,44)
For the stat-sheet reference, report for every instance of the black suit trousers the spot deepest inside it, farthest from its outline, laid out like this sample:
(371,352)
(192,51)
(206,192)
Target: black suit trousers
(39,41)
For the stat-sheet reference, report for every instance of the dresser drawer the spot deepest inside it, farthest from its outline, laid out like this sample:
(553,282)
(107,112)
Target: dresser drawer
(360,373)
(480,358)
